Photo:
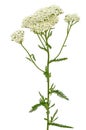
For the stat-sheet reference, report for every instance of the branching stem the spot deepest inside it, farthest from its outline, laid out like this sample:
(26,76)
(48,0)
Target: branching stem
(32,59)
(45,45)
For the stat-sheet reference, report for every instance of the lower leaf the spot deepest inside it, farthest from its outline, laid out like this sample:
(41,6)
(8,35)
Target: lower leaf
(60,94)
(35,107)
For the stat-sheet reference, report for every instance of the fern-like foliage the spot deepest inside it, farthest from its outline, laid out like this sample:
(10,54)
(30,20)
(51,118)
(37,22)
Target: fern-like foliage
(42,102)
(60,94)
(35,107)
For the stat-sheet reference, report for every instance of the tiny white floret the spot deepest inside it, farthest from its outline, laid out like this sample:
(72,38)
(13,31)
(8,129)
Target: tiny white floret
(43,19)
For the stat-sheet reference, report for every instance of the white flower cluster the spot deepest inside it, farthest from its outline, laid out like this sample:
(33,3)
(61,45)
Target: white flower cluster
(43,19)
(18,36)
(72,18)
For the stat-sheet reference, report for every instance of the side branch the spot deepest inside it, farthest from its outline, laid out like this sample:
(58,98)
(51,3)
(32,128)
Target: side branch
(30,58)
(63,45)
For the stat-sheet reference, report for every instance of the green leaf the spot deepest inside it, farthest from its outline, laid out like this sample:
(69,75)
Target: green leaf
(42,47)
(43,101)
(49,33)
(52,88)
(28,58)
(60,125)
(61,59)
(42,97)
(44,104)
(60,94)
(45,119)
(49,46)
(53,118)
(55,113)
(52,106)
(33,57)
(35,107)
(57,60)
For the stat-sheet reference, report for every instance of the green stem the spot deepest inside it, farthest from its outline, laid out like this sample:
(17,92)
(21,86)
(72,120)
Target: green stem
(32,59)
(43,37)
(41,40)
(48,84)
(63,45)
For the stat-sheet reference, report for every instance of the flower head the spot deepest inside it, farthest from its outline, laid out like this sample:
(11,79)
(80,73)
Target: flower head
(48,11)
(72,18)
(43,19)
(18,36)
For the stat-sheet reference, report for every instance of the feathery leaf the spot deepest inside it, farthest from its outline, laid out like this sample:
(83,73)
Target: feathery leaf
(61,59)
(57,60)
(60,125)
(35,107)
(60,94)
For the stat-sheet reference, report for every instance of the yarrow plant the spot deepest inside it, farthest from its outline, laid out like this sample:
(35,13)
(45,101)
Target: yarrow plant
(41,23)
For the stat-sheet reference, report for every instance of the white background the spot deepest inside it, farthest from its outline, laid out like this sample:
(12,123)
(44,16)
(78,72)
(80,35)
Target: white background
(20,81)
